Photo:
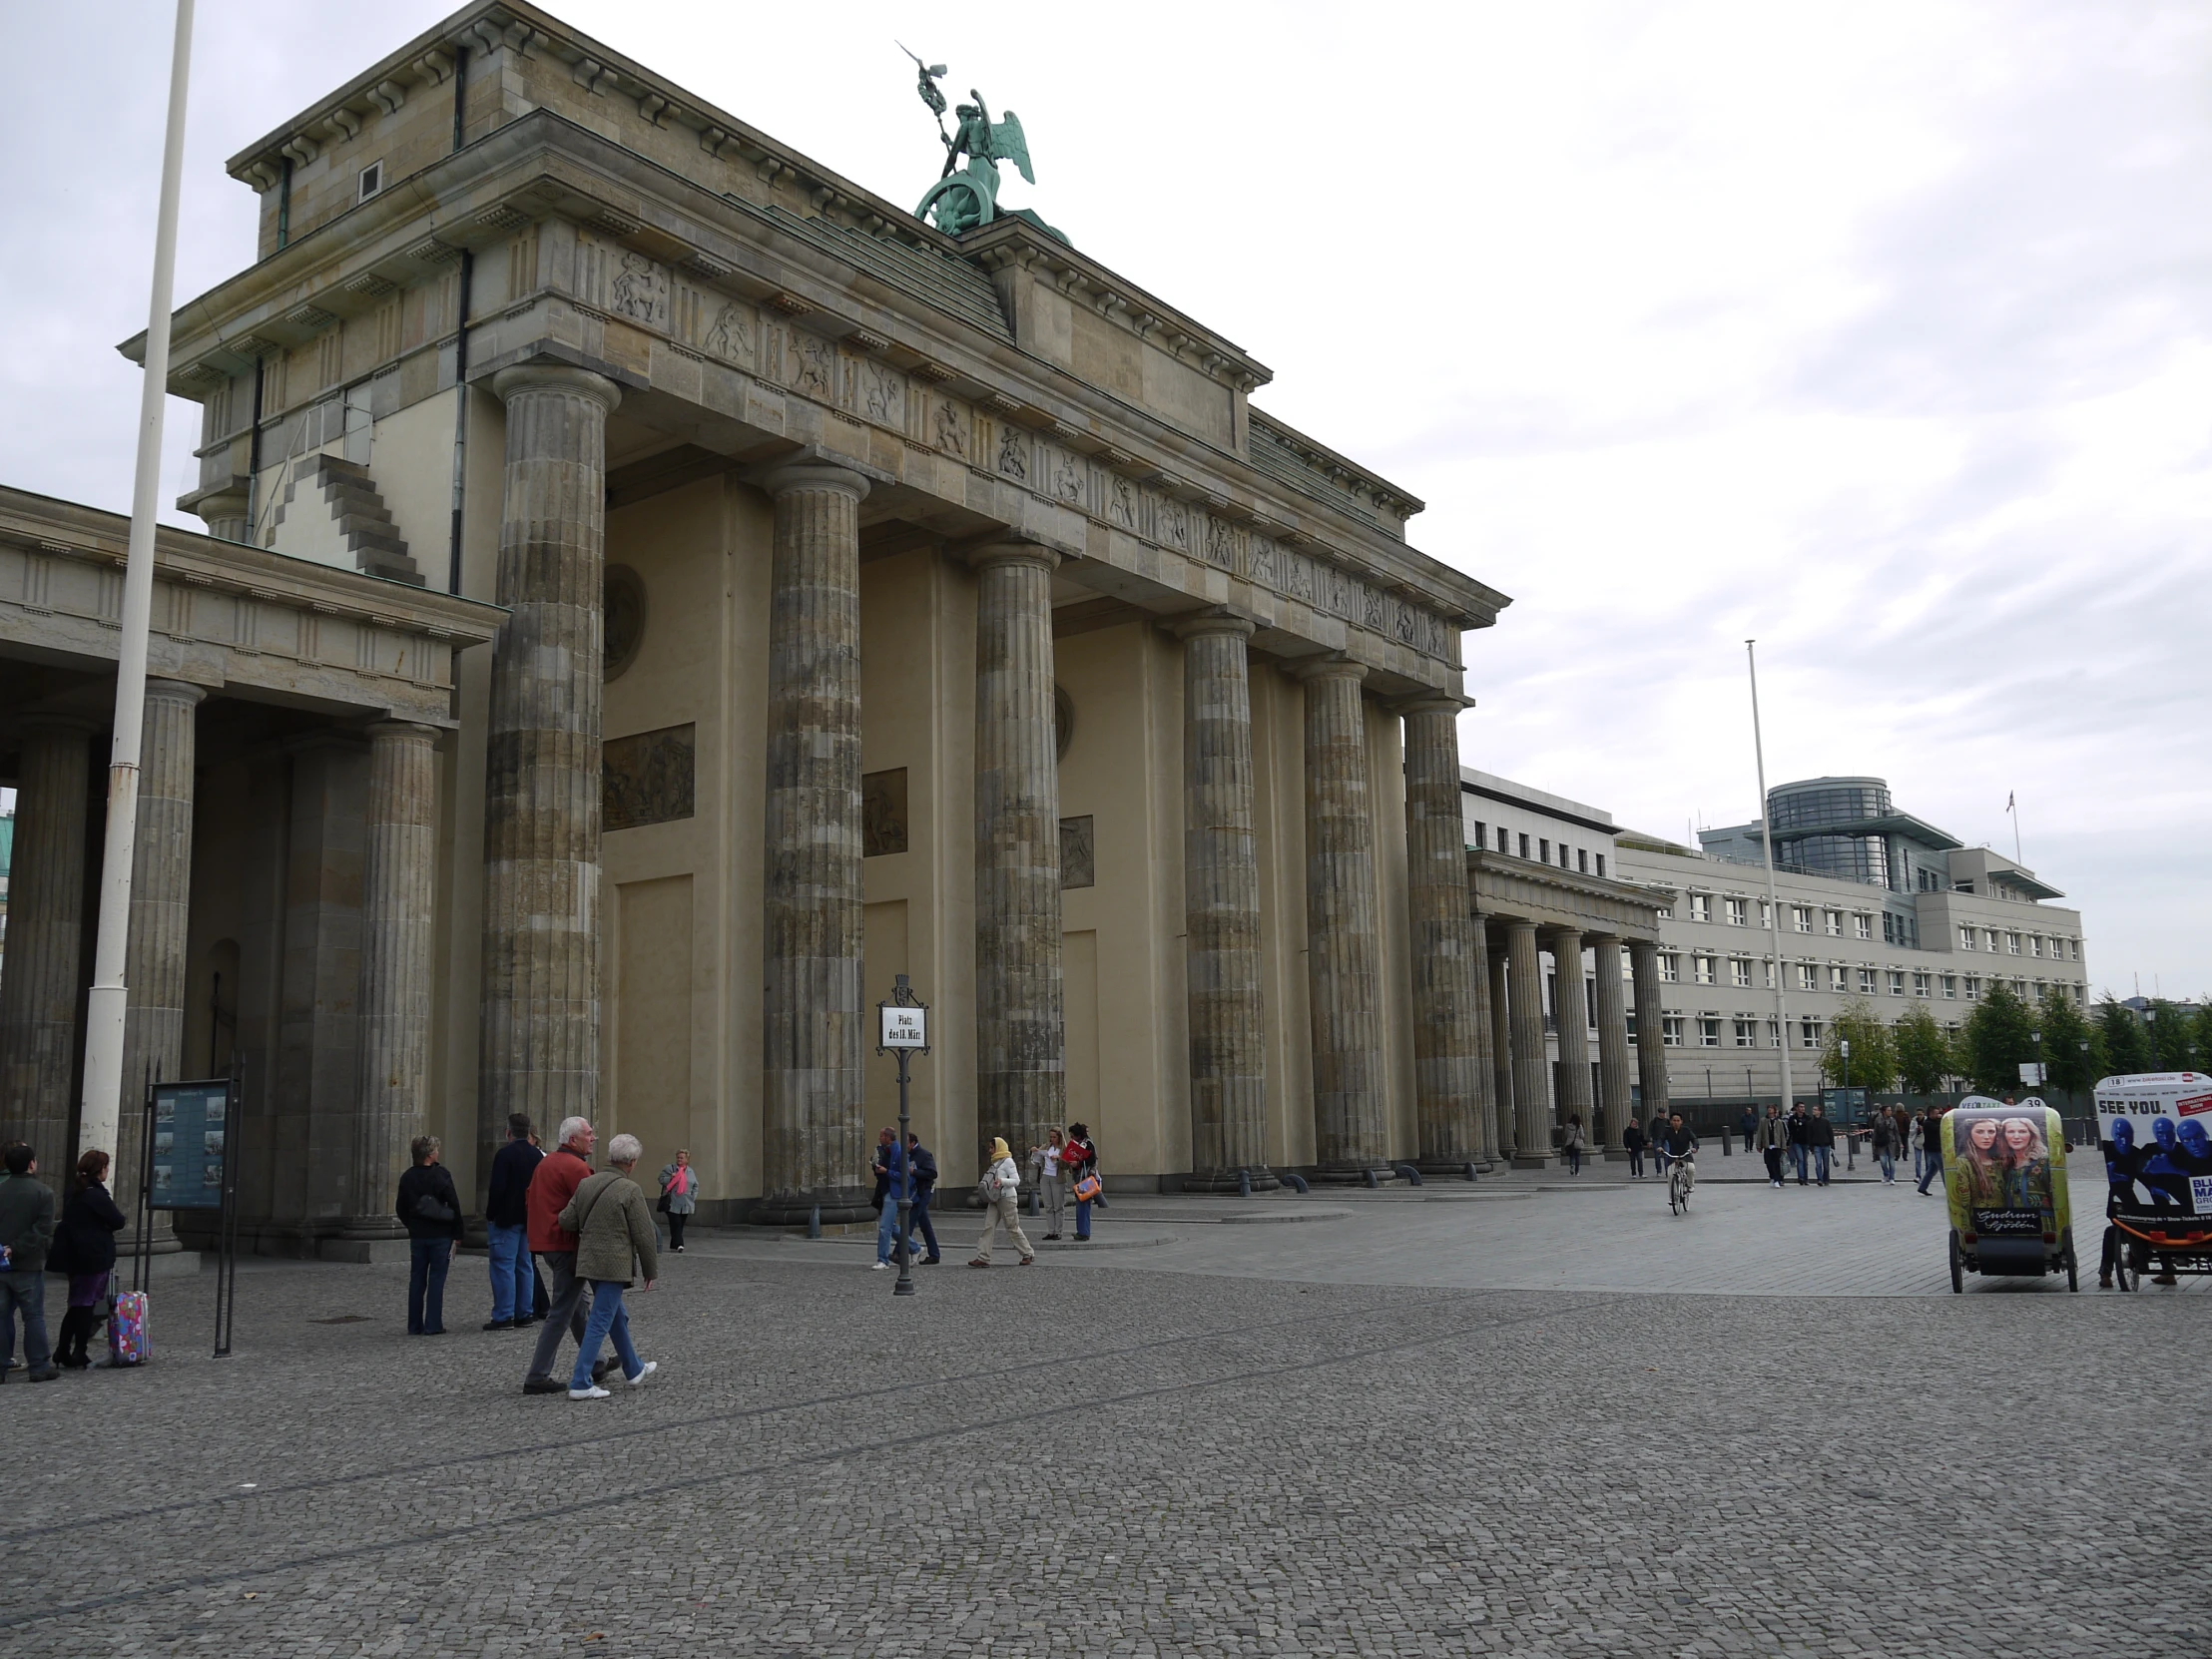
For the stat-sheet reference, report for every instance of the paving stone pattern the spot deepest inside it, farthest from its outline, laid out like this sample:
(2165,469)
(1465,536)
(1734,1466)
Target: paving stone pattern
(1095,1456)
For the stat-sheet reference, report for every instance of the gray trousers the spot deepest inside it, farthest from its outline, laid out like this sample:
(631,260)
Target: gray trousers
(564,1313)
(1055,1204)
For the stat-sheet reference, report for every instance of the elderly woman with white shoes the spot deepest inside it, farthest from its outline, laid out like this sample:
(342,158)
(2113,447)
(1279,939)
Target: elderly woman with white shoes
(614,1235)
(1002,1190)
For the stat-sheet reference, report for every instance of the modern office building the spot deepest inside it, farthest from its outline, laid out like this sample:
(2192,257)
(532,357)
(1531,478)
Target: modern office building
(1876,904)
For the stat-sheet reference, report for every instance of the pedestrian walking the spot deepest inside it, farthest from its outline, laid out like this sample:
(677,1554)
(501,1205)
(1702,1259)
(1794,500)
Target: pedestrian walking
(678,1197)
(1571,1143)
(430,1209)
(1931,1147)
(1882,1139)
(1001,1191)
(1769,1140)
(1748,1126)
(1820,1141)
(925,1183)
(1079,1165)
(85,1247)
(1800,1130)
(1656,1136)
(25,1233)
(615,1247)
(1046,1161)
(1633,1139)
(893,1165)
(514,1281)
(565,1169)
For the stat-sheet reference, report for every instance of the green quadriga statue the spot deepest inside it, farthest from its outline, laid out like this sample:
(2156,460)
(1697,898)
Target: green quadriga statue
(964,200)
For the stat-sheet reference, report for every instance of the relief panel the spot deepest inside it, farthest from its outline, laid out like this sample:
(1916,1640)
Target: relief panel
(649,778)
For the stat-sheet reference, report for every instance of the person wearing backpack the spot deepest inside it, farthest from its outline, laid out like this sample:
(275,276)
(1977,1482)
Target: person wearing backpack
(430,1209)
(1001,1193)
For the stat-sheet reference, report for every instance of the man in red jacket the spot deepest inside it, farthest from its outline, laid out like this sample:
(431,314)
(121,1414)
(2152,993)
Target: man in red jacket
(552,1184)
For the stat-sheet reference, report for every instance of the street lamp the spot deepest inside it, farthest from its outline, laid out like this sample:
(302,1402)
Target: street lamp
(903,1029)
(2037,1038)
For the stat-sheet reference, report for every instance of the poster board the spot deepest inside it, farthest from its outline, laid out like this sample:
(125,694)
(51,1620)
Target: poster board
(2155,1131)
(2005,1171)
(191,1136)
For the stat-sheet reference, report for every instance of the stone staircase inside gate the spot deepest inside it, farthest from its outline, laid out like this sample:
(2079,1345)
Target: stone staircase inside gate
(359,531)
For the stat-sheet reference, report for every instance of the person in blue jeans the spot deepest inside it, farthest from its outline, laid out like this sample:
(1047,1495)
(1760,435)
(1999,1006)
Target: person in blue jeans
(1819,1140)
(925,1183)
(514,1279)
(1801,1141)
(1079,1168)
(25,1233)
(614,1244)
(891,1169)
(430,1209)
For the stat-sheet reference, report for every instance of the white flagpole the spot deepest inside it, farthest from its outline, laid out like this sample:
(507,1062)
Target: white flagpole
(1773,895)
(2012,806)
(103,1096)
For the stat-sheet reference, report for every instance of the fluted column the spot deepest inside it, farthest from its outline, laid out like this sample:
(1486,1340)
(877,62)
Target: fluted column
(398,896)
(1493,1106)
(540,1022)
(46,921)
(1449,1065)
(1573,1010)
(1020,1037)
(1341,961)
(1221,906)
(161,910)
(1651,1051)
(1496,948)
(1533,1148)
(814,1045)
(1612,1043)
(224,513)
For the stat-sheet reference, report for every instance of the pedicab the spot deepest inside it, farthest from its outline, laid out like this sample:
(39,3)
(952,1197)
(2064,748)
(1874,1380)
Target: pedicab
(2155,1131)
(2004,1173)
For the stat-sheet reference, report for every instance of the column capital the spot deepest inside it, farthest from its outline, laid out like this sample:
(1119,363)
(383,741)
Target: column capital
(510,384)
(57,723)
(989,555)
(175,690)
(1217,621)
(404,730)
(788,477)
(1601,939)
(1433,702)
(1333,667)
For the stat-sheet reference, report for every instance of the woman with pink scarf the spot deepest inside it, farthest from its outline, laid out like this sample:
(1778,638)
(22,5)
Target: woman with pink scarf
(678,1197)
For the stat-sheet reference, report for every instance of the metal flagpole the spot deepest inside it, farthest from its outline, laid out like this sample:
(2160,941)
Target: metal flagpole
(1773,895)
(103,1020)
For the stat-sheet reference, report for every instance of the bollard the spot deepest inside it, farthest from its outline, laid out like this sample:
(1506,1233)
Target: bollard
(814,1222)
(1409,1175)
(1295,1182)
(1370,1180)
(1244,1183)
(1470,1175)
(1725,1152)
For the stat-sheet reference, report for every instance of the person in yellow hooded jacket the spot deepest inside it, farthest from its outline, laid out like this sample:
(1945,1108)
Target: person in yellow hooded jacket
(1002,1190)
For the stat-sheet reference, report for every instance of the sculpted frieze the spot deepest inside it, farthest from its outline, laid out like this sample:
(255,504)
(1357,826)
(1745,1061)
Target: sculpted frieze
(883,394)
(949,428)
(729,333)
(1012,460)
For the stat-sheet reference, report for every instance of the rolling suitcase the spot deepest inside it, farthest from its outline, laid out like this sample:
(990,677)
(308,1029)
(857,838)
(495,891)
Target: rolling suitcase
(128,1340)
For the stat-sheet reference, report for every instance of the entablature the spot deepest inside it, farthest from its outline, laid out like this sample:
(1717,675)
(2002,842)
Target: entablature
(1513,890)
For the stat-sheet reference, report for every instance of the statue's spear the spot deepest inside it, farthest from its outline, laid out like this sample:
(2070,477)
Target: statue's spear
(927,87)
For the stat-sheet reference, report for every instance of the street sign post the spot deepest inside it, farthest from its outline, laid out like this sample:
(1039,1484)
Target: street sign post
(903,1029)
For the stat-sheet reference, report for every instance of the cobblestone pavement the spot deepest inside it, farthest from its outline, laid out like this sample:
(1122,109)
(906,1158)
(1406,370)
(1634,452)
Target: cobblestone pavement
(1109,1458)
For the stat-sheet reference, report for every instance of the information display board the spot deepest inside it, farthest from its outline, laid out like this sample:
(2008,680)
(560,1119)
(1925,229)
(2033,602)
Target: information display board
(192,1131)
(2155,1130)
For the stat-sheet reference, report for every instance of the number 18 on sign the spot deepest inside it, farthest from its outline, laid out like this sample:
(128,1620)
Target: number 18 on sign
(905,1031)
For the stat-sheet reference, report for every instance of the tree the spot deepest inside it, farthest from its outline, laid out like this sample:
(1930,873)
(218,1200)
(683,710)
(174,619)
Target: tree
(1998,1037)
(2171,1039)
(2126,1045)
(1923,1051)
(2065,1030)
(1874,1063)
(2203,1024)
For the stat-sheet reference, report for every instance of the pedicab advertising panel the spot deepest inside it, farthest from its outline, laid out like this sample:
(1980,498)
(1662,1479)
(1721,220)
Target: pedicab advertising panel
(2004,1173)
(2155,1131)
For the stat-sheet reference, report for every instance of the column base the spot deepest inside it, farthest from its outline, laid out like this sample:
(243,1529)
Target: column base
(838,1204)
(1447,1165)
(1227,1179)
(1542,1160)
(364,1251)
(1354,1175)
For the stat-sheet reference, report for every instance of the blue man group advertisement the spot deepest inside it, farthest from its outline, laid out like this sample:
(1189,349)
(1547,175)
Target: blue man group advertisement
(2155,1130)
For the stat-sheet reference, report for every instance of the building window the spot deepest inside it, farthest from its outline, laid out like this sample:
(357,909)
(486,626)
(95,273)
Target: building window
(1481,835)
(1503,844)
(1833,922)
(1524,844)
(1563,865)
(2035,944)
(1543,849)
(1889,929)
(1581,861)
(1865,926)
(1747,1033)
(1703,967)
(1766,973)
(1839,979)
(1951,986)
(1866,981)
(1739,972)
(1670,1026)
(1708,1033)
(1738,913)
(1766,915)
(1809,1033)
(1920,984)
(1990,938)
(1666,912)
(1808,977)
(2012,944)
(369,181)
(1700,907)
(1601,864)
(1670,967)
(1773,1034)
(1965,939)
(1896,982)
(1801,919)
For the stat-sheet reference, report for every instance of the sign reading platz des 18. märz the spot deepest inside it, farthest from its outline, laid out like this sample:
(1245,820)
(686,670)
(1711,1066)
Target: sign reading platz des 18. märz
(2155,1130)
(191,1140)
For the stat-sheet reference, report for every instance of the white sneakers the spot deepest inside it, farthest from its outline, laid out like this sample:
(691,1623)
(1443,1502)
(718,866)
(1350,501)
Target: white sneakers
(645,1369)
(882,1266)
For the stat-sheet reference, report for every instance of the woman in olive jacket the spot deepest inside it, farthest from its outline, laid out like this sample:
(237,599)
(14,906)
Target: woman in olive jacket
(614,1242)
(84,1243)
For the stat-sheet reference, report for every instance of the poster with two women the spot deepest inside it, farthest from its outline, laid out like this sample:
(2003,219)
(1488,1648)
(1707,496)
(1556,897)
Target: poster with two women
(2004,1170)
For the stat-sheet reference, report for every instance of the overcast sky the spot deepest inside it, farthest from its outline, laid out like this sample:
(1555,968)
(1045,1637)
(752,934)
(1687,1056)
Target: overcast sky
(1880,333)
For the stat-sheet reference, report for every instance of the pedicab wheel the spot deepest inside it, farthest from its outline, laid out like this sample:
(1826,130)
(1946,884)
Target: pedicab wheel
(2073,1268)
(2125,1273)
(1957,1268)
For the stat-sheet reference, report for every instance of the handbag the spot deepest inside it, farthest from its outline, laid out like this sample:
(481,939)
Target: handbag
(1088,1188)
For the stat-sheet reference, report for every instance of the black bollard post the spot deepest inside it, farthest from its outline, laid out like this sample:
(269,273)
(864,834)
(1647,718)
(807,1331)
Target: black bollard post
(1470,1175)
(1244,1183)
(814,1222)
(1370,1174)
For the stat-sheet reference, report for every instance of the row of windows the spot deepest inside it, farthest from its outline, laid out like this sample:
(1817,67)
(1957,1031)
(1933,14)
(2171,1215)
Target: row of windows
(2057,948)
(1539,849)
(1840,979)
(1808,918)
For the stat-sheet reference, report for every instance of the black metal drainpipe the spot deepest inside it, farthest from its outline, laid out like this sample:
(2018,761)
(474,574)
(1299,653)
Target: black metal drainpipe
(460,343)
(254,459)
(284,206)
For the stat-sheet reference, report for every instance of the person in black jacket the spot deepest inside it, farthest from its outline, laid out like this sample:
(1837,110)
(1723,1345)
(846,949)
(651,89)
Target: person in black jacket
(1800,1140)
(430,1209)
(85,1242)
(925,1183)
(514,1278)
(1632,1140)
(1820,1139)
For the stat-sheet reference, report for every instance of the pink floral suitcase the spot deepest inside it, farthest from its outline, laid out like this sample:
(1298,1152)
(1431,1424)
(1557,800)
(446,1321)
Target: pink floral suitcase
(128,1342)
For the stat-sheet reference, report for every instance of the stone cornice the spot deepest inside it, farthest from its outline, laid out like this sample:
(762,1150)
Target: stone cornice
(1509,888)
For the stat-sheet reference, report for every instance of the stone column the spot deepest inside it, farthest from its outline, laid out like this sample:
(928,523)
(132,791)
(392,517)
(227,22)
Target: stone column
(1533,1148)
(1612,1043)
(1220,904)
(1342,963)
(1496,947)
(224,513)
(540,1047)
(1450,1066)
(398,898)
(1651,1051)
(815,1042)
(39,979)
(1493,1107)
(1020,1038)
(161,909)
(1573,1010)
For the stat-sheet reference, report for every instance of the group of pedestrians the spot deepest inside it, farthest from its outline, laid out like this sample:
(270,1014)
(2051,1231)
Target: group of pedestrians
(34,1241)
(891,1164)
(1807,1139)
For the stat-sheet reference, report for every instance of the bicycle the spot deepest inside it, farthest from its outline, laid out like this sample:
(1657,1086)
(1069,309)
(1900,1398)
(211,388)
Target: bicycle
(1681,1177)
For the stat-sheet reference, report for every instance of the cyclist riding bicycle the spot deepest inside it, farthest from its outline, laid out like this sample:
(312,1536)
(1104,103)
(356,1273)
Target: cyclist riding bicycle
(1678,1142)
